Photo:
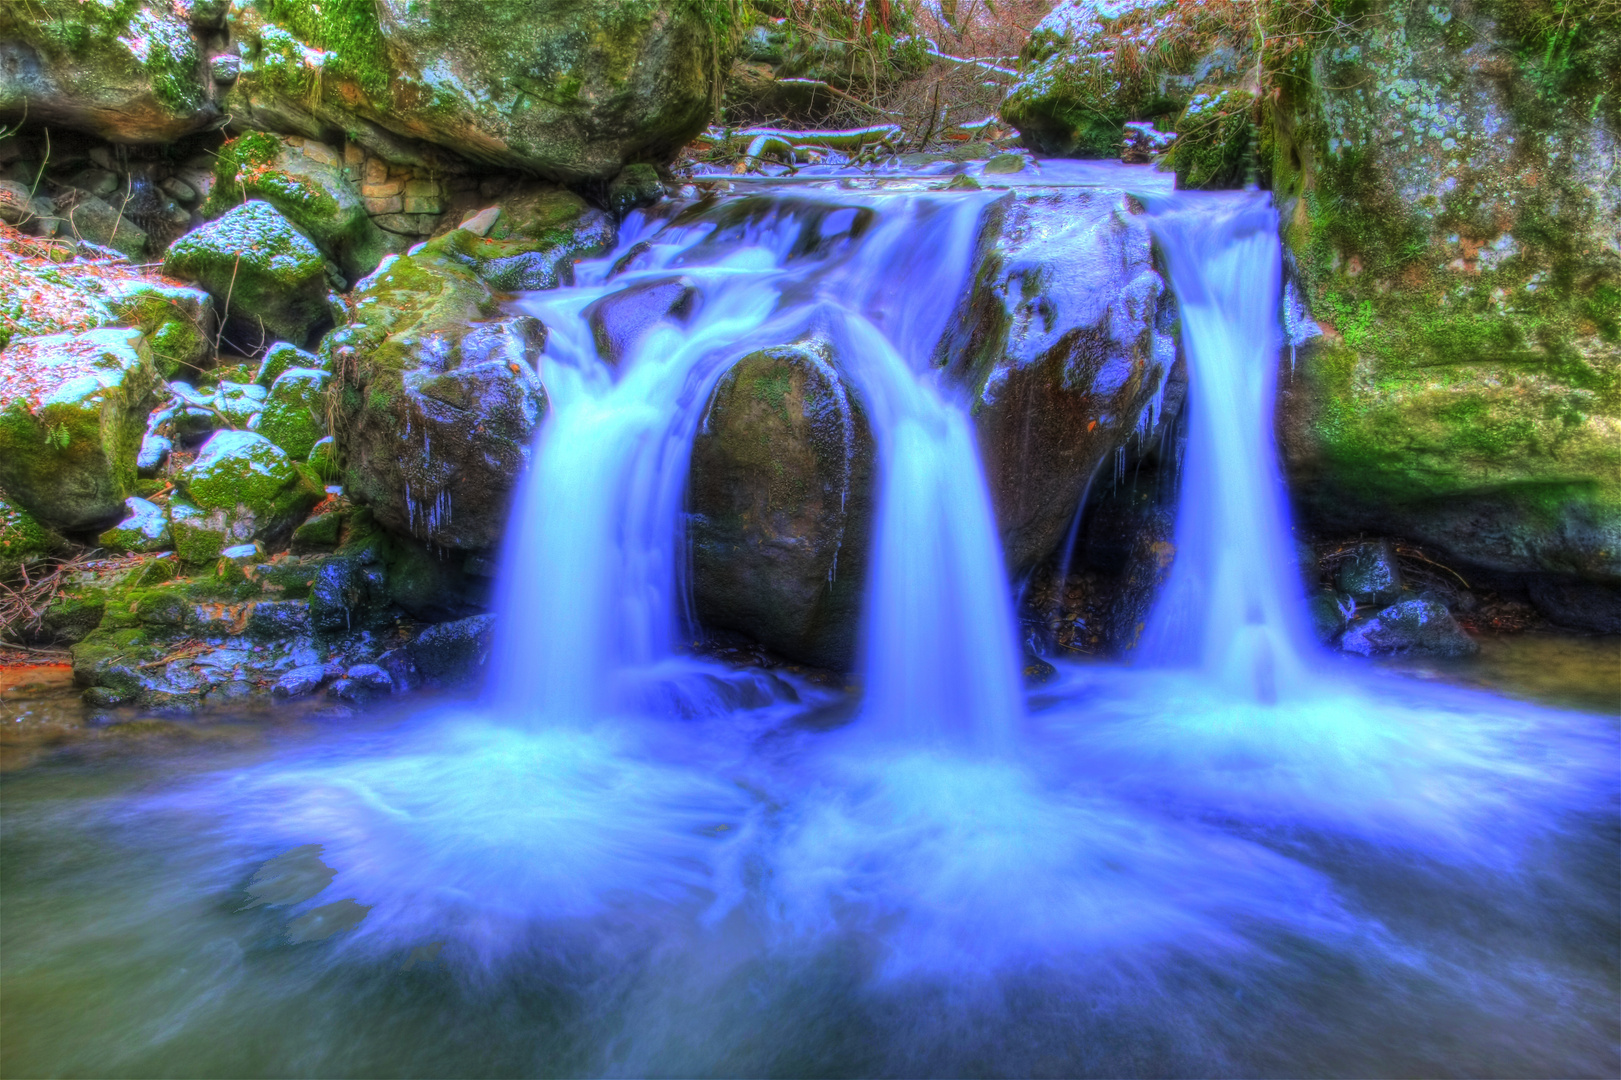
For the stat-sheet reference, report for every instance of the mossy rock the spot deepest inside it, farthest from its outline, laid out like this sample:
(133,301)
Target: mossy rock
(294,416)
(128,71)
(23,540)
(241,488)
(1088,69)
(1215,140)
(1453,224)
(308,184)
(437,407)
(73,411)
(262,271)
(146,529)
(281,356)
(781,504)
(565,89)
(178,321)
(533,243)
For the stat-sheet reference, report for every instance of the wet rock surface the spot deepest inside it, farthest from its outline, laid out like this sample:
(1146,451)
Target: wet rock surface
(781,505)
(1419,625)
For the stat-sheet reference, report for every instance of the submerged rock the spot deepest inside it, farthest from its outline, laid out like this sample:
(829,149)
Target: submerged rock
(73,412)
(266,276)
(453,653)
(781,502)
(1412,626)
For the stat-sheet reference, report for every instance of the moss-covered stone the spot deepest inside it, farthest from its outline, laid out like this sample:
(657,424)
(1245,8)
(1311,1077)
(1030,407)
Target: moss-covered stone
(294,416)
(1452,196)
(781,498)
(570,90)
(306,182)
(259,269)
(437,408)
(23,540)
(126,70)
(533,242)
(1090,68)
(73,410)
(240,488)
(145,529)
(178,321)
(281,356)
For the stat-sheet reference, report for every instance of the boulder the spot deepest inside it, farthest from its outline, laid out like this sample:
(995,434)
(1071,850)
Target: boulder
(1065,349)
(452,653)
(1090,68)
(128,72)
(1579,605)
(86,217)
(73,411)
(294,416)
(438,407)
(306,182)
(178,320)
(1328,613)
(266,275)
(145,529)
(1419,626)
(570,90)
(780,496)
(281,356)
(241,487)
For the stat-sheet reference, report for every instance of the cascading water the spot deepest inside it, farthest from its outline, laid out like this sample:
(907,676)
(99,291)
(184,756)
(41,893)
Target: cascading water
(1232,605)
(1197,864)
(592,567)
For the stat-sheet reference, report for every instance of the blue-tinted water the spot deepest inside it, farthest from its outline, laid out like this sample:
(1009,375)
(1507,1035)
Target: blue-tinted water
(1235,857)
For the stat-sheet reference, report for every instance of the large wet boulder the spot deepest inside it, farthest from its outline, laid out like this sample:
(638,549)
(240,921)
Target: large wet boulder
(780,496)
(438,405)
(240,488)
(178,320)
(73,411)
(1065,348)
(266,276)
(128,71)
(567,89)
(306,182)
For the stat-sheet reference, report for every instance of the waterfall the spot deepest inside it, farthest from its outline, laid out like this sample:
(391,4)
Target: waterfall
(1232,604)
(591,581)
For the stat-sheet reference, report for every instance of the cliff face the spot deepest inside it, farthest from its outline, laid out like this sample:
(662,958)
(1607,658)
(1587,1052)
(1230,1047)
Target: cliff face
(1450,192)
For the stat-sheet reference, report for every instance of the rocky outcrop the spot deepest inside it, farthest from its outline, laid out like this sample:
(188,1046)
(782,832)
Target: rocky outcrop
(1065,348)
(241,488)
(572,91)
(781,505)
(73,410)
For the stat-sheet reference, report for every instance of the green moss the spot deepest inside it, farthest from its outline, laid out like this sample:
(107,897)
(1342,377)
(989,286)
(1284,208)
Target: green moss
(348,30)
